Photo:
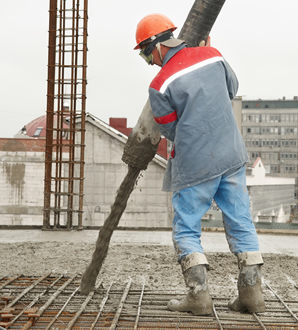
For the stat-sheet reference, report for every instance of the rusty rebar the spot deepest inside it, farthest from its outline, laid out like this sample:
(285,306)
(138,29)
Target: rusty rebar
(66,38)
(50,112)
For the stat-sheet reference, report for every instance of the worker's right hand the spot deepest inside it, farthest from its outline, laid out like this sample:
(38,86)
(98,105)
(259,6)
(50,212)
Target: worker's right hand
(206,44)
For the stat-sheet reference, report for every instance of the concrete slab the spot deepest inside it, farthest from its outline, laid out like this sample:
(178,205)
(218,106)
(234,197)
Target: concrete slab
(211,241)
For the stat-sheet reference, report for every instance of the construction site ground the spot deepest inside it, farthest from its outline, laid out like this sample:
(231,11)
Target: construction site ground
(42,270)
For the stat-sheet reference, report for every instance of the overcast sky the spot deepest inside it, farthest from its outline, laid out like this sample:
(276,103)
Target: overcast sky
(259,38)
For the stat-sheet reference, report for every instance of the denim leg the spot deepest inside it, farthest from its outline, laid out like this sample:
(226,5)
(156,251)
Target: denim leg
(190,204)
(233,199)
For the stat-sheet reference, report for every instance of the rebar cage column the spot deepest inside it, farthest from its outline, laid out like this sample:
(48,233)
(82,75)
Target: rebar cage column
(66,102)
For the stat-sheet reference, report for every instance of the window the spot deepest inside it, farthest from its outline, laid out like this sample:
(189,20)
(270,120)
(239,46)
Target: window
(274,168)
(275,130)
(38,131)
(244,118)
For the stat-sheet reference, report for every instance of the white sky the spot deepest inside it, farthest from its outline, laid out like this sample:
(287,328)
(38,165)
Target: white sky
(259,38)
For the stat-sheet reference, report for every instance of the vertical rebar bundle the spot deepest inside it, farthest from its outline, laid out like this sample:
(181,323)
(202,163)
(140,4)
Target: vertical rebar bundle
(66,102)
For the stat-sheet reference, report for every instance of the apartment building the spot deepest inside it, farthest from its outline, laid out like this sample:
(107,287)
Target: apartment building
(270,131)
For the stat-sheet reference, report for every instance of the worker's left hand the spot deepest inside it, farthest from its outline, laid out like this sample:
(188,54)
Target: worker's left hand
(206,44)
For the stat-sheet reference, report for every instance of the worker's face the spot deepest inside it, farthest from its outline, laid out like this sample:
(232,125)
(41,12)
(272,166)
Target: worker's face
(156,57)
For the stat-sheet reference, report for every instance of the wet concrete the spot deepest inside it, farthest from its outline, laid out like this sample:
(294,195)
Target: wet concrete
(211,241)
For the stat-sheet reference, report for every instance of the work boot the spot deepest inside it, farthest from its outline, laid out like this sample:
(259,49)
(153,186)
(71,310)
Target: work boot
(250,298)
(197,300)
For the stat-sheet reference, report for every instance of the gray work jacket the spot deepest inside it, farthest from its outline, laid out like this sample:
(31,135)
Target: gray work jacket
(191,103)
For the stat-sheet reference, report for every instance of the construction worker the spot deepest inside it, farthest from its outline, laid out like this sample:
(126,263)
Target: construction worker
(191,103)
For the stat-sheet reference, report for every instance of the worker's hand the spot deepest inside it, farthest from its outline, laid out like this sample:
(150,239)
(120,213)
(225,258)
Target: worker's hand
(206,44)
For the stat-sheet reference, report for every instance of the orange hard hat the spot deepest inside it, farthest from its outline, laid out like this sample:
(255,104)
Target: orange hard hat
(151,25)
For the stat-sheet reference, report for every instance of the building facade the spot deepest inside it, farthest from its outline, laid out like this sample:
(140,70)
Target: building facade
(22,182)
(270,131)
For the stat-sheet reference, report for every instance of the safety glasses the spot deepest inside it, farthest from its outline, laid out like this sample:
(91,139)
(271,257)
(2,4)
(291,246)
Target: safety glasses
(147,57)
(146,53)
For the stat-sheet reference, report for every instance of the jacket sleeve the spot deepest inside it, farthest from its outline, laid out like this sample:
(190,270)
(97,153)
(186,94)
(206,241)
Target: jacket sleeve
(232,81)
(164,115)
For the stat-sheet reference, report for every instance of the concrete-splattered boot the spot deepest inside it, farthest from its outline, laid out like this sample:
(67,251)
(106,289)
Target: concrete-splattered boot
(250,297)
(197,300)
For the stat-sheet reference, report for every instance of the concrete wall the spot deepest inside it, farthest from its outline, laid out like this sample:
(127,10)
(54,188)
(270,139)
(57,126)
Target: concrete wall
(21,187)
(147,206)
(237,107)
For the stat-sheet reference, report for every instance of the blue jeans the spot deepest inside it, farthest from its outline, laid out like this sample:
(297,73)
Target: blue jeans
(190,204)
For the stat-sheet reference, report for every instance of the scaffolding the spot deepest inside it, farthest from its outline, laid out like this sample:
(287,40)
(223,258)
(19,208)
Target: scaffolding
(66,103)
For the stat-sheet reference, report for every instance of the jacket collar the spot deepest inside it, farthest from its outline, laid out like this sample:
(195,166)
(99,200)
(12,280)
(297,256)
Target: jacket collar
(172,52)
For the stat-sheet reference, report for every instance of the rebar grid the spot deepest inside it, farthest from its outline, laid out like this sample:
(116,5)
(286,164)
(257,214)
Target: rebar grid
(66,102)
(54,302)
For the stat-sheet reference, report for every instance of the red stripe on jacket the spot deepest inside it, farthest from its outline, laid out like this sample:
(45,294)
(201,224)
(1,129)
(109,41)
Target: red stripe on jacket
(185,58)
(166,119)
